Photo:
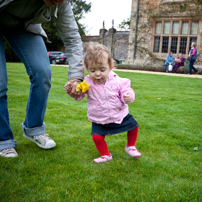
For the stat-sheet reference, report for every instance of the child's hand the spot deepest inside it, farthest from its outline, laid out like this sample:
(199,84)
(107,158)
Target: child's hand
(127,98)
(70,88)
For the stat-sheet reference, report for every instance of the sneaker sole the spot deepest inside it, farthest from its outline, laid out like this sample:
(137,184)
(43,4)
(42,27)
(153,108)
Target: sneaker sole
(9,155)
(41,146)
(102,162)
(133,156)
(136,156)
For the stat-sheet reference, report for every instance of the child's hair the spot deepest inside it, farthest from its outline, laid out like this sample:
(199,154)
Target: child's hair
(95,55)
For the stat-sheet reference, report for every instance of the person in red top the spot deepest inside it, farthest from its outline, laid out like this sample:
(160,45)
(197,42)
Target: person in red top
(193,53)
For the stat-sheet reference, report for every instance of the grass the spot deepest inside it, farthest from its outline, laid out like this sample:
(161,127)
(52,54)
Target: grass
(168,110)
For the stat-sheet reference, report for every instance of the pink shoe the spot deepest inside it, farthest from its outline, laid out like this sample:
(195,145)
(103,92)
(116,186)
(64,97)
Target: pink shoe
(132,151)
(103,159)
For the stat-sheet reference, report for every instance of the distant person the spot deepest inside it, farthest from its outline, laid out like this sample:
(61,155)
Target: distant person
(193,54)
(169,61)
(21,28)
(179,61)
(108,98)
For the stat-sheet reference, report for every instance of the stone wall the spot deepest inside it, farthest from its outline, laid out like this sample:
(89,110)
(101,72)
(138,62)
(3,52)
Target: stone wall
(149,11)
(115,41)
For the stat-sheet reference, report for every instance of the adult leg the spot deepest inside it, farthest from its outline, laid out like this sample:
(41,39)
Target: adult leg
(174,68)
(6,134)
(191,66)
(194,67)
(167,69)
(32,51)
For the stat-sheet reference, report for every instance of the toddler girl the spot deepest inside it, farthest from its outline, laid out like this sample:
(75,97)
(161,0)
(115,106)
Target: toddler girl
(108,98)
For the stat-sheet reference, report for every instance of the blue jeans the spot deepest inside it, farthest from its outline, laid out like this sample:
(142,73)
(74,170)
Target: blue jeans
(32,51)
(191,63)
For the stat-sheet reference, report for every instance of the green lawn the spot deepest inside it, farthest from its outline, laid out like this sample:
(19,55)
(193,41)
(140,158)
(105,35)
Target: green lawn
(169,112)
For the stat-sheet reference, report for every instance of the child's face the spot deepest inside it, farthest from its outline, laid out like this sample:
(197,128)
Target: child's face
(99,72)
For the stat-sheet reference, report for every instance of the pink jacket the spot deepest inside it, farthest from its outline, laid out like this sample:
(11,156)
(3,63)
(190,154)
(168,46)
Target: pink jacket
(105,102)
(193,52)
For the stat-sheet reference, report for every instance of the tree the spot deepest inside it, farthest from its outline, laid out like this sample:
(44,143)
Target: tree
(199,1)
(79,7)
(125,25)
(54,39)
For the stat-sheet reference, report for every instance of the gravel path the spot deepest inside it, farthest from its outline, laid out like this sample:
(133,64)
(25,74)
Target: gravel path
(160,73)
(150,72)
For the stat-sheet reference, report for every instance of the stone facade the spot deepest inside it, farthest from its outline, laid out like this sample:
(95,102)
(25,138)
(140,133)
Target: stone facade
(115,41)
(153,43)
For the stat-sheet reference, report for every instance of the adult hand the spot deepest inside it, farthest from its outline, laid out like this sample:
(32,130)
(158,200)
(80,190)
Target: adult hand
(70,88)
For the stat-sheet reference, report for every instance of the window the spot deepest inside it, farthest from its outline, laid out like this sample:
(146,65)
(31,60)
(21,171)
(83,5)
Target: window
(194,28)
(175,35)
(185,28)
(176,26)
(165,44)
(166,28)
(156,44)
(174,41)
(183,45)
(158,28)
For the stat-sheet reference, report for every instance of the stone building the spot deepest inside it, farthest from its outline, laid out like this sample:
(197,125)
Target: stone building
(115,41)
(164,26)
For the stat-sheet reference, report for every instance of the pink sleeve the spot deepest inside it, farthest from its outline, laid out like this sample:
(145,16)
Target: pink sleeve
(193,52)
(125,88)
(78,98)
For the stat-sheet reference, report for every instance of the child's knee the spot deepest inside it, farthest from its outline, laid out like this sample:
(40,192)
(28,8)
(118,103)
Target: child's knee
(98,138)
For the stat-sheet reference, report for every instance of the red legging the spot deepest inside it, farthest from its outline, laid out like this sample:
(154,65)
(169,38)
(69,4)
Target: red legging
(101,145)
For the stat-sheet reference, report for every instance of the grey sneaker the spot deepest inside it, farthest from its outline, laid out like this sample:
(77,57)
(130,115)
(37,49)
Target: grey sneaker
(43,141)
(9,152)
